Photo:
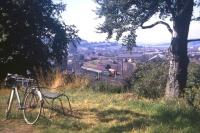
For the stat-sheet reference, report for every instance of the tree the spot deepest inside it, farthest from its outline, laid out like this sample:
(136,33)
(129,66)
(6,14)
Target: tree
(32,35)
(123,17)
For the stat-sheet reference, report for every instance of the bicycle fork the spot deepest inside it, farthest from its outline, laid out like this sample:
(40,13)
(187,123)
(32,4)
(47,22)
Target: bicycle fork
(10,101)
(8,110)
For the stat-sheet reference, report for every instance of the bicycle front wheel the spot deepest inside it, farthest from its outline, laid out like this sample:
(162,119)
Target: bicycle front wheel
(32,107)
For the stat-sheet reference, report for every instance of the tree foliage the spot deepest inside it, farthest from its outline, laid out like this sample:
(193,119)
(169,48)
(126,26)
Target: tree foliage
(32,35)
(123,17)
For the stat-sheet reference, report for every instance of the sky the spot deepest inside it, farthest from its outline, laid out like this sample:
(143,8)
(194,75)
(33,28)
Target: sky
(81,14)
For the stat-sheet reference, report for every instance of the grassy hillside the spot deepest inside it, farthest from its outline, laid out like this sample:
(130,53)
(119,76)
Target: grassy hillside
(108,113)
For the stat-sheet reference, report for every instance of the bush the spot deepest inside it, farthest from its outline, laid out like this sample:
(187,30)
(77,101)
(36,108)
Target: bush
(193,75)
(192,95)
(150,79)
(192,92)
(103,86)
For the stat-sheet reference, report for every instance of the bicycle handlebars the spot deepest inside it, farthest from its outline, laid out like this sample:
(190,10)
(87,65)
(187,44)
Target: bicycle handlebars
(14,80)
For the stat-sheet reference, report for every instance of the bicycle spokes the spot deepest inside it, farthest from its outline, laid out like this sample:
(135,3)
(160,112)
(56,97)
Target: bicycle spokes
(32,108)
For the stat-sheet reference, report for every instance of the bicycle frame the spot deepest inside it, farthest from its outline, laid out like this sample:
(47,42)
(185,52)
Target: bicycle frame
(15,91)
(23,104)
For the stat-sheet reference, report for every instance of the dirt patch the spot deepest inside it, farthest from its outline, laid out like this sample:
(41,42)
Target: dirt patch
(15,126)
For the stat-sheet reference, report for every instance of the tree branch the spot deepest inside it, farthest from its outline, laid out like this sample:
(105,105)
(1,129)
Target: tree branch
(185,7)
(193,40)
(195,19)
(156,23)
(169,4)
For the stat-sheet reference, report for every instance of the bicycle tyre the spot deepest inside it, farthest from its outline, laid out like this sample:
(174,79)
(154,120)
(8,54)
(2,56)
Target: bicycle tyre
(32,107)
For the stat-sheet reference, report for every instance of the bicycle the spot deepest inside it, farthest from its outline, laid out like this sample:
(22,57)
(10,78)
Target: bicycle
(32,102)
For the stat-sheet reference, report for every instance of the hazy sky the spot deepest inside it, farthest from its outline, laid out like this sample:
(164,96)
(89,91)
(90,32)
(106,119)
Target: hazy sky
(81,14)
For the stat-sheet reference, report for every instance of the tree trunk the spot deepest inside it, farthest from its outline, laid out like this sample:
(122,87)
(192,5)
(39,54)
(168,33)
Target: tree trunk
(177,68)
(178,54)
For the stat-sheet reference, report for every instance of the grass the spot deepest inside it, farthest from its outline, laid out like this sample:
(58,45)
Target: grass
(111,113)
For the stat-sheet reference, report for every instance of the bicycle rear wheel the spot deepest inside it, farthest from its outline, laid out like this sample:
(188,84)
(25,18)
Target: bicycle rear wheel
(32,107)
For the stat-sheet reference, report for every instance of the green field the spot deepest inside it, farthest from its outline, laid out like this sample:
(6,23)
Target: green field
(108,113)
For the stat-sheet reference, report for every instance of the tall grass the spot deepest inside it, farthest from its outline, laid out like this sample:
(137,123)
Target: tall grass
(52,79)
(97,112)
(56,79)
(78,82)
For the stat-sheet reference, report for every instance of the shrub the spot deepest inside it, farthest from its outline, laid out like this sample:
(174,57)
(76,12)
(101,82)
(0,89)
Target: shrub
(103,86)
(192,92)
(193,75)
(192,95)
(150,79)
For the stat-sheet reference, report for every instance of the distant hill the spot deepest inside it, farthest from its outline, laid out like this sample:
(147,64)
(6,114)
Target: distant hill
(116,45)
(194,44)
(99,45)
(166,45)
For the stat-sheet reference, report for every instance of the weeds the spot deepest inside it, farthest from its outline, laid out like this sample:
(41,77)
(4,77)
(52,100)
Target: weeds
(97,111)
(56,79)
(115,113)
